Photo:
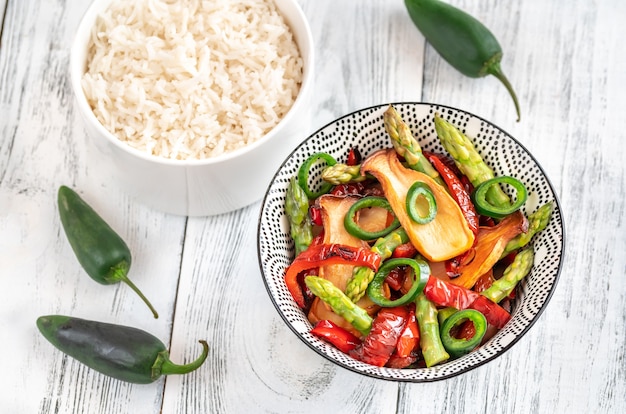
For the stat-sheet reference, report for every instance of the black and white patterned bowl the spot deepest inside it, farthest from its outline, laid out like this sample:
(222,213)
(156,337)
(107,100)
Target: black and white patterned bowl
(364,129)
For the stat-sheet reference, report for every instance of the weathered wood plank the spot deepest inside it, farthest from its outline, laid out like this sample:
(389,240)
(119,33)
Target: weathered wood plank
(567,76)
(3,8)
(257,364)
(570,80)
(43,145)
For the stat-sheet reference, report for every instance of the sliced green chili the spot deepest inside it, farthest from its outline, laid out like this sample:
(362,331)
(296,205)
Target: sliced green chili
(353,227)
(485,208)
(457,347)
(303,174)
(444,313)
(420,189)
(421,273)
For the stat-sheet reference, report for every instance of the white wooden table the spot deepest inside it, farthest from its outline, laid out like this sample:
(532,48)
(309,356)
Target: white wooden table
(566,59)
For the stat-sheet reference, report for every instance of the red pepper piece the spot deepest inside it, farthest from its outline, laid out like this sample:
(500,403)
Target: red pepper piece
(495,314)
(448,161)
(406,250)
(487,221)
(317,240)
(484,281)
(381,342)
(457,191)
(469,187)
(454,265)
(466,331)
(306,292)
(315,213)
(409,338)
(446,294)
(399,362)
(348,189)
(354,157)
(395,278)
(337,336)
(324,255)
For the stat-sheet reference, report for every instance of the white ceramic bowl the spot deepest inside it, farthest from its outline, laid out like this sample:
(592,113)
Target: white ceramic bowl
(198,187)
(364,129)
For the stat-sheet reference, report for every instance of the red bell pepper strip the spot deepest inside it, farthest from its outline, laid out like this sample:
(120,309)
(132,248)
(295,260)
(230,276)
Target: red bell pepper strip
(324,255)
(442,293)
(495,314)
(381,342)
(446,294)
(337,336)
(409,338)
(406,250)
(457,191)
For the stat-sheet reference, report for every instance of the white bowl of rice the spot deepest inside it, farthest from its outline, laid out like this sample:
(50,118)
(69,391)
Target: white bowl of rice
(191,104)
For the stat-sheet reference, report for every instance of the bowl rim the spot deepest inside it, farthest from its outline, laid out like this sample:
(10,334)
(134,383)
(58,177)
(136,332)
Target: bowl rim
(77,69)
(557,206)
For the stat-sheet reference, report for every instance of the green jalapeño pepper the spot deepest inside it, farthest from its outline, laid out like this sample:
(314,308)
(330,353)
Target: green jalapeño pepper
(122,352)
(463,41)
(421,273)
(485,208)
(99,249)
(420,190)
(304,170)
(457,347)
(352,226)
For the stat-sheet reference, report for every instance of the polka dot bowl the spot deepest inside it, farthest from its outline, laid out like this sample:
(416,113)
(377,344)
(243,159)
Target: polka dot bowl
(364,129)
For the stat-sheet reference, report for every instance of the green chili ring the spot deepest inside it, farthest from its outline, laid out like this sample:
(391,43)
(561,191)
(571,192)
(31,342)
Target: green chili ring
(458,347)
(421,189)
(485,208)
(421,273)
(303,174)
(354,229)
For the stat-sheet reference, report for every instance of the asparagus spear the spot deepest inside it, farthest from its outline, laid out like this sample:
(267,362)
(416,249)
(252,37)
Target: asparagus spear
(468,160)
(515,272)
(297,209)
(406,145)
(430,340)
(342,174)
(362,275)
(537,221)
(340,303)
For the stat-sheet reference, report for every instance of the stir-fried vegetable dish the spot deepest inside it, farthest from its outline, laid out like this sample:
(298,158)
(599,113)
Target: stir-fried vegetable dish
(406,258)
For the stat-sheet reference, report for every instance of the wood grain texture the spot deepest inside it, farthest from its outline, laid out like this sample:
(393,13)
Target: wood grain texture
(203,276)
(42,146)
(570,82)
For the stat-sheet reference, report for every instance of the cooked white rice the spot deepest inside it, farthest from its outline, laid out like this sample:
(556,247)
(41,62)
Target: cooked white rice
(191,79)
